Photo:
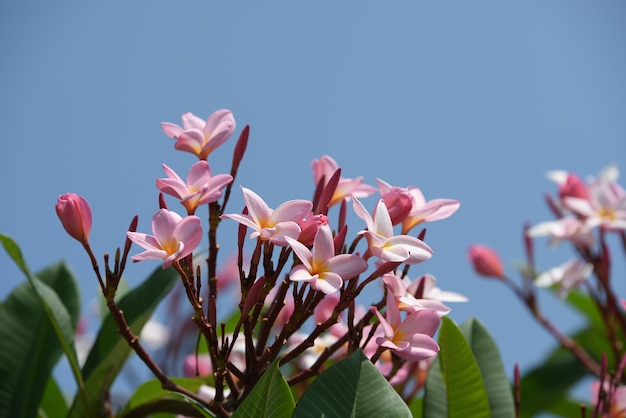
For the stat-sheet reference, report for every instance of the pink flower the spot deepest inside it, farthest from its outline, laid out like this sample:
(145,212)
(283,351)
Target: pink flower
(200,188)
(568,275)
(406,300)
(199,365)
(75,215)
(174,238)
(411,338)
(309,227)
(486,261)
(617,398)
(321,268)
(347,188)
(199,137)
(382,242)
(428,283)
(572,229)
(272,225)
(397,199)
(423,211)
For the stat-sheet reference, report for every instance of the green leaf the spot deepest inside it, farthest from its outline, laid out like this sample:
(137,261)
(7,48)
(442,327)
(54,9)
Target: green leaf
(497,385)
(585,305)
(38,322)
(465,394)
(110,351)
(436,394)
(151,398)
(270,397)
(353,387)
(53,403)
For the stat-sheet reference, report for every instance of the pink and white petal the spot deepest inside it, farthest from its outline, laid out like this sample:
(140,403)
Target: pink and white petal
(172,130)
(199,173)
(421,347)
(242,219)
(301,274)
(219,181)
(191,121)
(382,220)
(387,328)
(293,210)
(445,209)
(383,186)
(419,251)
(257,208)
(144,240)
(190,141)
(362,213)
(303,253)
(580,206)
(327,282)
(219,121)
(346,265)
(417,196)
(425,321)
(285,229)
(150,255)
(323,245)
(163,224)
(189,232)
(374,240)
(172,187)
(395,253)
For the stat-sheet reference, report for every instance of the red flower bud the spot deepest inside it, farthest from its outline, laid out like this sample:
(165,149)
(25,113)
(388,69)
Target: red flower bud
(486,261)
(75,215)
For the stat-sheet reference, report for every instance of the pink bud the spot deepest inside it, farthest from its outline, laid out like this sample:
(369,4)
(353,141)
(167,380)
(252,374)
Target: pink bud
(75,215)
(486,261)
(399,204)
(573,187)
(309,227)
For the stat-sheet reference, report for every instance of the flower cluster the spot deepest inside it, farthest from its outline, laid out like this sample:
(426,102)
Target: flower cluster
(306,313)
(586,214)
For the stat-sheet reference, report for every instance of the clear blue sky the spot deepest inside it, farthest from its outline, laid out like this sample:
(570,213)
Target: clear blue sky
(467,100)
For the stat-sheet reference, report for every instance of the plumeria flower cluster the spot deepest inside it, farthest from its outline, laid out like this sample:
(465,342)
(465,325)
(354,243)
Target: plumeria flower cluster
(586,213)
(298,289)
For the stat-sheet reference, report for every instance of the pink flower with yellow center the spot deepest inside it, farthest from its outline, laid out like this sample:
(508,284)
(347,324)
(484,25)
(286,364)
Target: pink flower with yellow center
(200,188)
(201,137)
(321,268)
(347,188)
(174,238)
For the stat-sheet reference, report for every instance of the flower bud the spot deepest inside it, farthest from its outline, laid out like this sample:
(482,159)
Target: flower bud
(399,204)
(486,261)
(75,215)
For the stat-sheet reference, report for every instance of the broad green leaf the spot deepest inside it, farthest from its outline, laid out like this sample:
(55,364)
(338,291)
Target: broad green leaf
(353,387)
(270,397)
(53,403)
(110,351)
(497,385)
(151,398)
(465,390)
(38,324)
(30,347)
(435,394)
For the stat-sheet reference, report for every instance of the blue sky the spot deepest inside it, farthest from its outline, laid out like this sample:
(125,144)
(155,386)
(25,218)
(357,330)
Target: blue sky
(467,100)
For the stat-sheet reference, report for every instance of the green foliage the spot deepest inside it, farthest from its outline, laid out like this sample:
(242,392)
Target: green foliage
(53,403)
(467,379)
(352,387)
(110,351)
(271,397)
(38,323)
(150,399)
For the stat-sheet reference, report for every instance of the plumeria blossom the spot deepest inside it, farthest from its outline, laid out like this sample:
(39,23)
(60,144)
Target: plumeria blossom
(422,210)
(201,188)
(617,398)
(75,215)
(567,228)
(272,225)
(411,338)
(382,241)
(397,199)
(321,268)
(406,300)
(606,205)
(347,188)
(201,137)
(568,275)
(174,238)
